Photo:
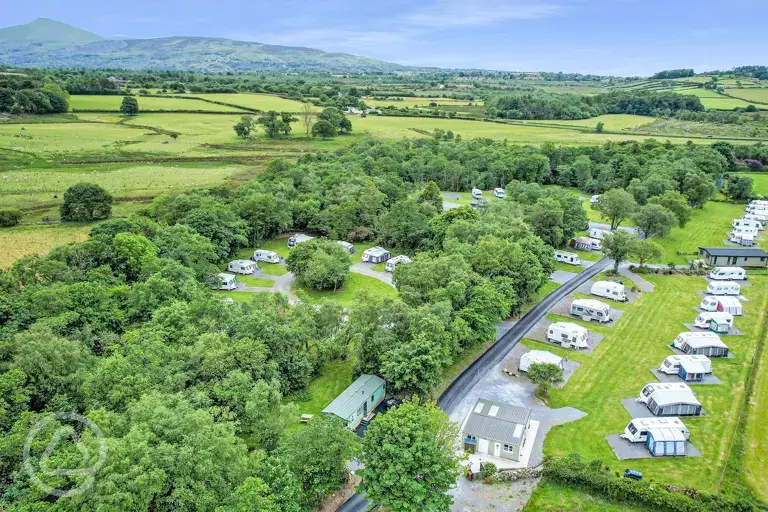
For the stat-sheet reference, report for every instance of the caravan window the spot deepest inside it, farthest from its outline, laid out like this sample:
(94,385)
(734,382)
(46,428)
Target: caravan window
(631,427)
(579,309)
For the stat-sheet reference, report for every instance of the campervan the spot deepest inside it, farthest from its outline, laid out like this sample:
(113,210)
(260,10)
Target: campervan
(637,429)
(671,364)
(747,223)
(685,337)
(598,233)
(266,256)
(704,319)
(653,387)
(567,257)
(727,273)
(392,263)
(347,246)
(723,288)
(227,281)
(609,290)
(568,335)
(589,309)
(477,193)
(499,192)
(594,199)
(246,267)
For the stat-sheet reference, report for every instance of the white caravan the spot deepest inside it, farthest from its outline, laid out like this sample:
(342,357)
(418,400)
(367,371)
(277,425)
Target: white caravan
(757,209)
(723,288)
(347,246)
(671,364)
(762,218)
(567,257)
(594,199)
(727,273)
(704,319)
(649,389)
(730,305)
(266,256)
(598,233)
(609,290)
(246,267)
(568,335)
(744,240)
(759,202)
(737,234)
(499,193)
(227,281)
(393,262)
(747,223)
(687,337)
(539,357)
(477,193)
(589,309)
(637,429)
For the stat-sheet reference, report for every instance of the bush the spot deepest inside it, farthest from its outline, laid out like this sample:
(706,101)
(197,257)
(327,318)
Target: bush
(9,217)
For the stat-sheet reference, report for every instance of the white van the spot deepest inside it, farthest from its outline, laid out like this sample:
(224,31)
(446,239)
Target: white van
(477,193)
(245,267)
(589,309)
(499,193)
(609,290)
(598,233)
(684,337)
(671,364)
(637,429)
(266,256)
(568,335)
(723,288)
(727,273)
(567,257)
(393,262)
(704,319)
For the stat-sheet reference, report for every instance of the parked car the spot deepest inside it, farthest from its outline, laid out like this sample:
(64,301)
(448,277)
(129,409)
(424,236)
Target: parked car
(633,474)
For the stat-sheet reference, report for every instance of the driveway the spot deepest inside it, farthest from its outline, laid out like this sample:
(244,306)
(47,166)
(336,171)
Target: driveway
(366,269)
(607,227)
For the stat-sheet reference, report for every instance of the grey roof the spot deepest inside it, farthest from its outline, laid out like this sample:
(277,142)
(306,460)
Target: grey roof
(502,427)
(353,397)
(376,251)
(735,251)
(671,397)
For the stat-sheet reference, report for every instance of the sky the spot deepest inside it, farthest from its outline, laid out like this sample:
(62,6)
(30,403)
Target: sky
(607,37)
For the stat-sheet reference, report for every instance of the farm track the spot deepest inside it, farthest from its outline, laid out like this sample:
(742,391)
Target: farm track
(466,380)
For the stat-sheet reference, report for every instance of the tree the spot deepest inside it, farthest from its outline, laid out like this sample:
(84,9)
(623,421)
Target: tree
(675,202)
(618,245)
(545,217)
(86,202)
(616,205)
(646,251)
(244,127)
(287,119)
(410,459)
(323,129)
(307,113)
(129,106)
(10,217)
(6,99)
(320,264)
(273,123)
(654,220)
(431,194)
(345,125)
(599,127)
(739,188)
(405,225)
(332,115)
(545,375)
(698,188)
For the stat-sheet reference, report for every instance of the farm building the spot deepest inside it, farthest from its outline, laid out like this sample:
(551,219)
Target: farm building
(609,290)
(266,256)
(727,273)
(704,319)
(496,429)
(347,246)
(723,288)
(589,309)
(568,335)
(375,255)
(360,398)
(674,403)
(598,233)
(539,357)
(586,244)
(653,387)
(227,281)
(666,442)
(242,267)
(637,429)
(710,347)
(722,304)
(393,262)
(751,257)
(299,238)
(567,257)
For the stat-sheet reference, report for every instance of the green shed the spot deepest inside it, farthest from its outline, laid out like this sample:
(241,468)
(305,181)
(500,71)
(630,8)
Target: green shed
(357,400)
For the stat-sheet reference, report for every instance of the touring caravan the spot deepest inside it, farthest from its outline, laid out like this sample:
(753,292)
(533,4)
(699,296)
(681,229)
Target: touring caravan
(704,319)
(298,238)
(723,288)
(727,273)
(586,244)
(710,347)
(673,402)
(744,240)
(347,246)
(689,367)
(649,389)
(609,290)
(499,193)
(539,357)
(598,233)
(759,202)
(589,309)
(568,335)
(567,257)
(266,256)
(762,218)
(637,429)
(747,223)
(392,263)
(730,305)
(227,281)
(375,255)
(737,234)
(594,199)
(245,267)
(477,193)
(756,208)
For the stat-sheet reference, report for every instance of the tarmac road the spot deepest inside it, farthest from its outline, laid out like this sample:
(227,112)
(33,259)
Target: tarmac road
(461,386)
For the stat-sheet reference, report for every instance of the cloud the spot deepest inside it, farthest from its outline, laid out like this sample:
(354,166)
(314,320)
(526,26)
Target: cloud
(447,14)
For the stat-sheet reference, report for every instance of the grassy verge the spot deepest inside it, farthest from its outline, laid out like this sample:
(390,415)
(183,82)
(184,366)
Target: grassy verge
(255,281)
(575,269)
(346,294)
(334,378)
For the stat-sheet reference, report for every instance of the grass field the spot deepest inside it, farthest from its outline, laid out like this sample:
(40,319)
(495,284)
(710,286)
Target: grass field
(755,458)
(334,378)
(756,95)
(113,102)
(255,281)
(712,100)
(759,183)
(419,102)
(346,294)
(22,240)
(619,367)
(554,497)
(252,100)
(613,122)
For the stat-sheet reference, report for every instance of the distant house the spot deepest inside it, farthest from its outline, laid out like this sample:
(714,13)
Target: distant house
(752,257)
(357,400)
(496,429)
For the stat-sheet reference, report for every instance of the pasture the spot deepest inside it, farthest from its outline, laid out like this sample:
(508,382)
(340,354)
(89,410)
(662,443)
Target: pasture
(39,238)
(613,122)
(756,95)
(419,102)
(712,100)
(252,100)
(113,102)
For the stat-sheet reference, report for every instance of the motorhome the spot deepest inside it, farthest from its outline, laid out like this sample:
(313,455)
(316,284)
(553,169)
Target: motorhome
(477,193)
(266,256)
(598,233)
(227,281)
(245,267)
(567,257)
(723,288)
(685,337)
(609,290)
(499,193)
(393,262)
(704,319)
(728,274)
(589,309)
(568,335)
(637,429)
(649,389)
(347,246)
(298,238)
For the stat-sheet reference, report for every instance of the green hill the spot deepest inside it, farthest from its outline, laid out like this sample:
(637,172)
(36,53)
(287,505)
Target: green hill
(43,30)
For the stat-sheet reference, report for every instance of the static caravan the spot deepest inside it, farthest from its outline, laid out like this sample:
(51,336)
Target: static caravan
(728,274)
(710,347)
(723,288)
(266,256)
(347,246)
(674,403)
(672,364)
(539,357)
(666,442)
(568,335)
(392,263)
(637,429)
(598,233)
(477,193)
(589,309)
(649,389)
(375,255)
(567,257)
(246,267)
(357,401)
(298,238)
(704,319)
(684,337)
(594,199)
(609,290)
(499,192)
(747,223)
(227,281)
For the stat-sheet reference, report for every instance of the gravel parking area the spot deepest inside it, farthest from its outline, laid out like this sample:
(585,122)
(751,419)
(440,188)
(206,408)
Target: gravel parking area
(731,331)
(563,308)
(625,450)
(561,276)
(512,365)
(639,410)
(670,379)
(539,333)
(703,293)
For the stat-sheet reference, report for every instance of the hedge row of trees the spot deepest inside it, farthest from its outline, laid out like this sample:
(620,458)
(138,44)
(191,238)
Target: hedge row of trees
(20,94)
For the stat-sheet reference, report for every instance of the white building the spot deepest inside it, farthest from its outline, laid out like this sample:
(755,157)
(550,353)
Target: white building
(496,429)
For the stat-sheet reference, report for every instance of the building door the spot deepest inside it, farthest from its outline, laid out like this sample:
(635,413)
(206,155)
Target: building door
(497,450)
(482,446)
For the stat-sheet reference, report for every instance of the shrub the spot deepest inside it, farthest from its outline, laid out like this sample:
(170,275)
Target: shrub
(9,217)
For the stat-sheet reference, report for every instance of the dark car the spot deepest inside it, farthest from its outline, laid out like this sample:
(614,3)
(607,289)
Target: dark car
(634,475)
(292,241)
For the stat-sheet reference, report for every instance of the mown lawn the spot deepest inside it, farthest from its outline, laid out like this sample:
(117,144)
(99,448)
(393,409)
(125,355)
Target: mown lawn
(759,182)
(255,281)
(346,294)
(334,378)
(620,366)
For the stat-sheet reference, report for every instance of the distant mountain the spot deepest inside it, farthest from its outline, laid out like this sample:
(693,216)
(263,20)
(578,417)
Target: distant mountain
(49,43)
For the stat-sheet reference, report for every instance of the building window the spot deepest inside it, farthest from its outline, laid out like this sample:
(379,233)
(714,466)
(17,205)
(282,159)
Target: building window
(509,449)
